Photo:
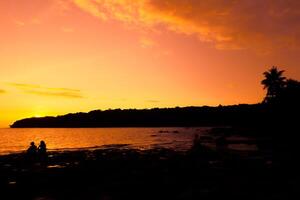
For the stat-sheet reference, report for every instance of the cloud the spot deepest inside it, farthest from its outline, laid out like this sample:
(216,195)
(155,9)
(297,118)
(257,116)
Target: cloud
(47,91)
(91,7)
(19,23)
(2,91)
(146,42)
(229,24)
(34,21)
(56,93)
(152,101)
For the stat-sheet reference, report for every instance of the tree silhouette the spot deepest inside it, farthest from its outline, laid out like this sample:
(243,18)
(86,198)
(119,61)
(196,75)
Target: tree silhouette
(274,82)
(290,96)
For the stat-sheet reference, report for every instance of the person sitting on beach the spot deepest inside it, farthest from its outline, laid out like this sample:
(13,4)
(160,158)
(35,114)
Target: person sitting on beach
(32,150)
(42,150)
(31,153)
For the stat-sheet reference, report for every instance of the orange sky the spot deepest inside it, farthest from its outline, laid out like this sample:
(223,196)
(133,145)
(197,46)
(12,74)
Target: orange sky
(60,56)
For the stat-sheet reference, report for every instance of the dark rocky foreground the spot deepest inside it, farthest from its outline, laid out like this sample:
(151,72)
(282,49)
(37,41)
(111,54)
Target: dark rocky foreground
(123,173)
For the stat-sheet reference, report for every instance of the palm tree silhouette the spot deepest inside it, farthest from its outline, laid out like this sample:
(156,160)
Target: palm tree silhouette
(274,82)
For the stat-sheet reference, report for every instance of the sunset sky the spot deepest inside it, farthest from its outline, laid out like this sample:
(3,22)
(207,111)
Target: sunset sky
(61,56)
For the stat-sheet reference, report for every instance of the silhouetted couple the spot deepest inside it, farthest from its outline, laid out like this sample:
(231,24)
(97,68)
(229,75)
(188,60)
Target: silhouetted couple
(34,152)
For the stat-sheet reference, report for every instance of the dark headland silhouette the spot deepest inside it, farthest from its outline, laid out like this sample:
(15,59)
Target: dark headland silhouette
(156,117)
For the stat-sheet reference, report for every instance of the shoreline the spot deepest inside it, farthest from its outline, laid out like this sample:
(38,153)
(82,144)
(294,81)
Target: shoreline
(208,135)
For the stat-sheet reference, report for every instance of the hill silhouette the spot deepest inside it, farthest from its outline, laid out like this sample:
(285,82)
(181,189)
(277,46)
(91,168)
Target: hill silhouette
(156,117)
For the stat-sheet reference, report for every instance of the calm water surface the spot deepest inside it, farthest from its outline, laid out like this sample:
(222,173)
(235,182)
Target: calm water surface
(17,140)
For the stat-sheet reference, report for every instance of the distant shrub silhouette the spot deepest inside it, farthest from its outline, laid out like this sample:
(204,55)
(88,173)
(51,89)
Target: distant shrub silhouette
(290,95)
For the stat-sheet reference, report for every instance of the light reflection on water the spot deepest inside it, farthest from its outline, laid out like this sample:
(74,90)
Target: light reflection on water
(17,140)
